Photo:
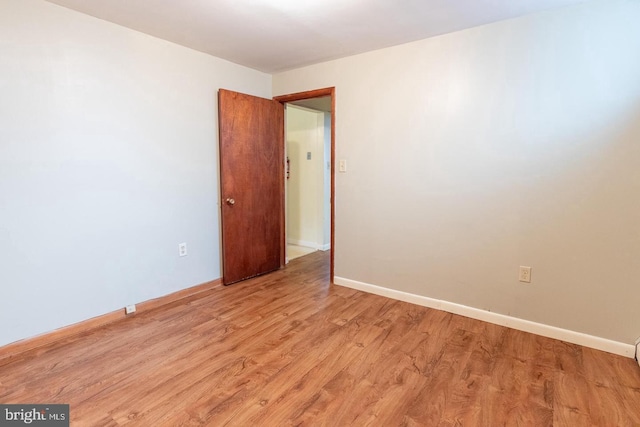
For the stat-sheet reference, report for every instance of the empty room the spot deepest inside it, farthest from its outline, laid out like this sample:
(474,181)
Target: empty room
(320,213)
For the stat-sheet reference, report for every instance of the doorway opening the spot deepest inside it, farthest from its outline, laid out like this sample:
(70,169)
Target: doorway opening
(309,175)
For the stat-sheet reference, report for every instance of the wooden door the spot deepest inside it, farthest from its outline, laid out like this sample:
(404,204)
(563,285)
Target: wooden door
(252,185)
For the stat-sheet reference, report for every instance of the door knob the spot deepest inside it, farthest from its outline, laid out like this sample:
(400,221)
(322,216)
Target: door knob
(230,202)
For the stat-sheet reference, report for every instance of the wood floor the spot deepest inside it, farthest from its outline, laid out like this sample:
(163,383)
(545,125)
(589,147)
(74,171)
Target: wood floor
(290,349)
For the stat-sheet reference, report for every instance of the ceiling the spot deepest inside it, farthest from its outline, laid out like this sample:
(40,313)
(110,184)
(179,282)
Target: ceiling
(322,103)
(277,35)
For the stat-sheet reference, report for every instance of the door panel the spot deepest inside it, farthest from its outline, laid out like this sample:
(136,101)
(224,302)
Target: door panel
(252,185)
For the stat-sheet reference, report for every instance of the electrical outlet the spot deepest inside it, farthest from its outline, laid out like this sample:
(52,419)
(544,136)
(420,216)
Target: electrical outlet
(525,274)
(342,165)
(182,249)
(130,309)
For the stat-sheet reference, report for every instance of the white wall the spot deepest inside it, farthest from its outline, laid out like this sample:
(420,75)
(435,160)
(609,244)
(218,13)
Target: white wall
(305,186)
(509,144)
(108,160)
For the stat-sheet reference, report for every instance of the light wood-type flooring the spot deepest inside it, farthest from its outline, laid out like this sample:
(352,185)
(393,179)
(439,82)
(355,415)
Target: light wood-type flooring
(290,349)
(295,251)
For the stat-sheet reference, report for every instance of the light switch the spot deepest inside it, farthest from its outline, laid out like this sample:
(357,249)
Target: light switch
(342,167)
(308,155)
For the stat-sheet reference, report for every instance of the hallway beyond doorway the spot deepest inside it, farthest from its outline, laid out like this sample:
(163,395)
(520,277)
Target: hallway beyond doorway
(295,251)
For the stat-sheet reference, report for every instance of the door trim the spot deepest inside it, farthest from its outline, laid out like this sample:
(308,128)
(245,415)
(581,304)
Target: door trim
(317,93)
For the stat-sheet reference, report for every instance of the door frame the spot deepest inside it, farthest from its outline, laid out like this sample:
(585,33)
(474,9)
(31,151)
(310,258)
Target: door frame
(317,93)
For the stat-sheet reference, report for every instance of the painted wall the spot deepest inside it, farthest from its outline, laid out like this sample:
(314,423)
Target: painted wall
(476,152)
(305,133)
(108,160)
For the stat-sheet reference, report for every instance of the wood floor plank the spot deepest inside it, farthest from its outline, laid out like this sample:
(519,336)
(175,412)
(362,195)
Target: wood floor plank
(289,348)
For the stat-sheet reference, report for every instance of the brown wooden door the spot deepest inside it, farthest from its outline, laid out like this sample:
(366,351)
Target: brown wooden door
(252,185)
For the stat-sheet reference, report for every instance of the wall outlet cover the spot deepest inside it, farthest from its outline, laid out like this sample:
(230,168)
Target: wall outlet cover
(524,274)
(130,309)
(182,249)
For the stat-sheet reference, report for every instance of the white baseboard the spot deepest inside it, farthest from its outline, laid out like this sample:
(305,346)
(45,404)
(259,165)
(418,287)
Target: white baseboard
(307,244)
(638,351)
(574,337)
